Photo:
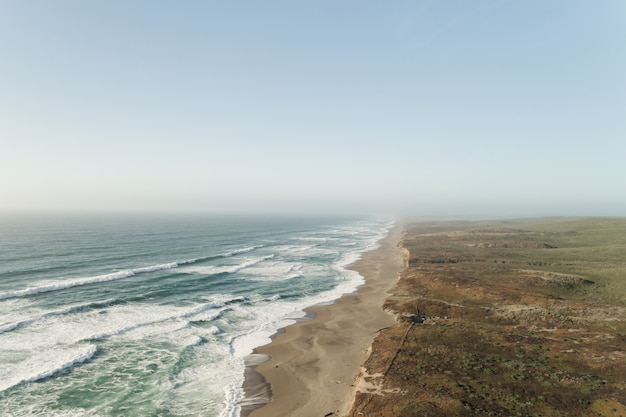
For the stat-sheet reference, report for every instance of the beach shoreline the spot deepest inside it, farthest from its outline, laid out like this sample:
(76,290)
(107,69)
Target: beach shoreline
(314,364)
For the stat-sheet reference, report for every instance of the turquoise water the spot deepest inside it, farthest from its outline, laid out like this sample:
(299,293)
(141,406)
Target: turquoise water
(136,316)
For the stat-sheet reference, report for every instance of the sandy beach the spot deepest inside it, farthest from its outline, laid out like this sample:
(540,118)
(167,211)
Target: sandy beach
(314,363)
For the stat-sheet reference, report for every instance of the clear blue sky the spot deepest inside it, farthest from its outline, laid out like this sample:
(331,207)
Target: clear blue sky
(412,107)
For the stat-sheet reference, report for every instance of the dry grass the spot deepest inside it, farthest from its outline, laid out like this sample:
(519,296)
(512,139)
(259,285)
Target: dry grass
(524,318)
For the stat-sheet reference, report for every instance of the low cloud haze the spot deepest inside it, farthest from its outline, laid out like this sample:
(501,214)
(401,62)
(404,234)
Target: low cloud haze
(427,108)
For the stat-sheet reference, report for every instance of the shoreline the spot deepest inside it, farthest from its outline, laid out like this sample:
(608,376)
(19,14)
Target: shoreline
(314,363)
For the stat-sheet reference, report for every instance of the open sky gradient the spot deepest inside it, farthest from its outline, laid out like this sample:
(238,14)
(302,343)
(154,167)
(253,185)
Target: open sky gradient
(479,108)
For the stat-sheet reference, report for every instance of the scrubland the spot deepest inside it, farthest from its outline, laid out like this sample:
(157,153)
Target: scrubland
(521,318)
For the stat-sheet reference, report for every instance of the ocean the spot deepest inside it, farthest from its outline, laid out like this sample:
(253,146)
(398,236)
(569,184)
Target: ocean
(155,315)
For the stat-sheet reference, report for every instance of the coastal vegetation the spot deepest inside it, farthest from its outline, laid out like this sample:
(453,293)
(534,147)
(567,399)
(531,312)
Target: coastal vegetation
(521,318)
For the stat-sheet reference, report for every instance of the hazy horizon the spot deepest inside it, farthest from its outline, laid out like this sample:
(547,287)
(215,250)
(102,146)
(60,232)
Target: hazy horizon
(426,108)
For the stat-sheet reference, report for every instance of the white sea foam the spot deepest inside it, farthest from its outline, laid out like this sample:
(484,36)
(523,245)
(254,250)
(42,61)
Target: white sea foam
(47,364)
(233,394)
(267,323)
(267,318)
(129,321)
(34,409)
(162,329)
(199,389)
(166,320)
(213,330)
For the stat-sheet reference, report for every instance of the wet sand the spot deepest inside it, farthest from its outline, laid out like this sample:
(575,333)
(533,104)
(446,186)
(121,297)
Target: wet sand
(314,364)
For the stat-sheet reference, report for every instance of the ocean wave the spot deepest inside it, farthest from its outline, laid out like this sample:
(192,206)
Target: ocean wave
(12,326)
(315,239)
(7,327)
(45,287)
(79,282)
(209,318)
(48,364)
(202,309)
(224,269)
(301,248)
(222,255)
(242,250)
(275,271)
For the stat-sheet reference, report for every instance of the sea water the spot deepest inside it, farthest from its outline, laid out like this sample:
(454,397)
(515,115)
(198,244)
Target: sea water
(154,316)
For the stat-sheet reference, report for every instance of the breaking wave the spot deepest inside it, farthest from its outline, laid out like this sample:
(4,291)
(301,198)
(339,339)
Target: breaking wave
(7,327)
(46,287)
(48,364)
(79,282)
(225,269)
